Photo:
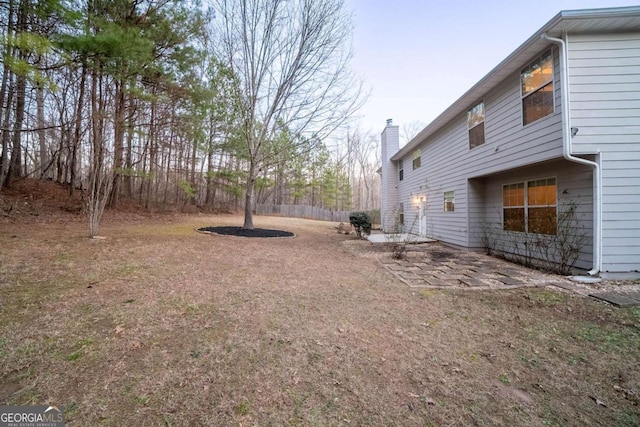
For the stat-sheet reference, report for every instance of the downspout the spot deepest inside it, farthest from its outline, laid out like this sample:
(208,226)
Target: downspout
(566,152)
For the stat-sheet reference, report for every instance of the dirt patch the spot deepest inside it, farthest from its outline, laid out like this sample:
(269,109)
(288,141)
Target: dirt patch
(160,325)
(441,255)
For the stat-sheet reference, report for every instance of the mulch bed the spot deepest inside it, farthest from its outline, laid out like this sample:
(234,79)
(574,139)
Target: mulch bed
(243,232)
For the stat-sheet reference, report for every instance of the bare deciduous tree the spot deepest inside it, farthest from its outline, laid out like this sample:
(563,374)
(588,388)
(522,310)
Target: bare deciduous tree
(291,60)
(411,129)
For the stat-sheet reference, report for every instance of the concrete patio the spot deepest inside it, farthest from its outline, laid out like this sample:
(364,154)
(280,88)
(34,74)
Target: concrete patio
(397,238)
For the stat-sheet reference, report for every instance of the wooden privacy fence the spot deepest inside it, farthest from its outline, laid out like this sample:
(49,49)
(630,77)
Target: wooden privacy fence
(310,212)
(300,211)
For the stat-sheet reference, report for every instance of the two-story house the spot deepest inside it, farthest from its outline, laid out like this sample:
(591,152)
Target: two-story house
(539,160)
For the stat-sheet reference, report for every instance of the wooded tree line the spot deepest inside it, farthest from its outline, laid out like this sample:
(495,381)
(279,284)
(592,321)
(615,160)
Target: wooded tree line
(172,103)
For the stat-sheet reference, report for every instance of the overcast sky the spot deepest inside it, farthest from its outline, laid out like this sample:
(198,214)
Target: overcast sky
(417,57)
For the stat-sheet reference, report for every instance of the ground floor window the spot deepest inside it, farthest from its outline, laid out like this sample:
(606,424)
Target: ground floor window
(449,201)
(530,206)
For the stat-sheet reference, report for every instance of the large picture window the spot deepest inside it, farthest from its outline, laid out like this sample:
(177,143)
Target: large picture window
(475,124)
(536,82)
(541,201)
(513,207)
(530,206)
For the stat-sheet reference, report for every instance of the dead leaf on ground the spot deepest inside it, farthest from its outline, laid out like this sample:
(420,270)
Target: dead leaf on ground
(425,399)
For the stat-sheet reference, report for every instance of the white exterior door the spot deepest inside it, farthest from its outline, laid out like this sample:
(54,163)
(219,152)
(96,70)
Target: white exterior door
(422,216)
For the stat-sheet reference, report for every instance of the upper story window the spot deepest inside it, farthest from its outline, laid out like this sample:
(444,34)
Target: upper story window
(475,124)
(400,170)
(416,159)
(536,82)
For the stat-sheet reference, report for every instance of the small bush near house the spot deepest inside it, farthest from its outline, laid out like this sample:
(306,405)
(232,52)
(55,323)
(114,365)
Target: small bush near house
(361,222)
(399,250)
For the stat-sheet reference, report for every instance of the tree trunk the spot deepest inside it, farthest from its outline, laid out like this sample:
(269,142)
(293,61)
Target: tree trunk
(209,193)
(4,121)
(15,165)
(99,179)
(118,142)
(4,161)
(60,174)
(216,184)
(77,131)
(152,150)
(194,156)
(42,140)
(249,196)
(128,180)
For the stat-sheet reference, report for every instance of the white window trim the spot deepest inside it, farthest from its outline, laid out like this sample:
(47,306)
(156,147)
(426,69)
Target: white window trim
(417,154)
(445,200)
(526,202)
(552,80)
(484,131)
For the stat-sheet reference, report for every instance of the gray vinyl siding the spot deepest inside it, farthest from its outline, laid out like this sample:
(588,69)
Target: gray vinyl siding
(605,107)
(477,215)
(574,186)
(448,163)
(621,211)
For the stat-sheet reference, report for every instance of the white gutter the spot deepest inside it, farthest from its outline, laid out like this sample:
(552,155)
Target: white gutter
(566,152)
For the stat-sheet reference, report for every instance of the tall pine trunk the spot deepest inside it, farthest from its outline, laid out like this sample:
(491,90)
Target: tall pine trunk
(4,160)
(118,142)
(128,179)
(15,165)
(78,130)
(45,162)
(6,95)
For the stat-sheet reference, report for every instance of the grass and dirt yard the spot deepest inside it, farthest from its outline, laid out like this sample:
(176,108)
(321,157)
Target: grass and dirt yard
(160,325)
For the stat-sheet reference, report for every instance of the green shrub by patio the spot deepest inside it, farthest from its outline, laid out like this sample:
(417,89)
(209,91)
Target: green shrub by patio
(361,222)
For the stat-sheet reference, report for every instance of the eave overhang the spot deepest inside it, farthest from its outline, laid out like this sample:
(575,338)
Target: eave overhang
(608,20)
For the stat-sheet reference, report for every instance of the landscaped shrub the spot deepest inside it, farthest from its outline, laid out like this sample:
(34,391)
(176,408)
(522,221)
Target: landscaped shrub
(557,250)
(361,222)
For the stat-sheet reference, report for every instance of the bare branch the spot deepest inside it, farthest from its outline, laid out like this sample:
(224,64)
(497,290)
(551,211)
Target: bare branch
(291,59)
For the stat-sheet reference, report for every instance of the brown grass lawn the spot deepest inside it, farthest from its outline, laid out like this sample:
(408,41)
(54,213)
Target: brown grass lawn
(161,325)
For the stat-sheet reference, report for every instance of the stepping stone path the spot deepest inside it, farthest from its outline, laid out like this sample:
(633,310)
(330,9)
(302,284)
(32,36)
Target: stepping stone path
(433,265)
(619,299)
